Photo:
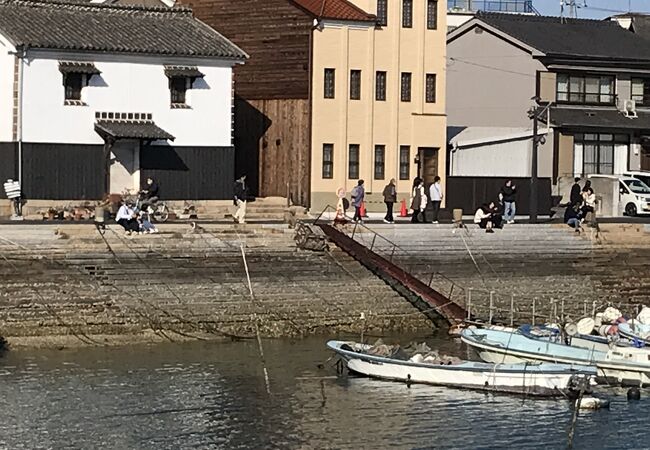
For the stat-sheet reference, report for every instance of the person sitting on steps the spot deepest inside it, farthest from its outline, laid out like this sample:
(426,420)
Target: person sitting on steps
(483,218)
(127,218)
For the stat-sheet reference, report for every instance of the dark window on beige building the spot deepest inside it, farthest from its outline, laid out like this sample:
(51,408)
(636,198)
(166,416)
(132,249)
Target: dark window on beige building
(404,162)
(432,14)
(353,162)
(380,161)
(382,13)
(355,85)
(328,160)
(431,88)
(407,13)
(329,84)
(380,86)
(406,87)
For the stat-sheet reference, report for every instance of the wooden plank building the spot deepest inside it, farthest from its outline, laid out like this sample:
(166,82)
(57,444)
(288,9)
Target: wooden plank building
(272,105)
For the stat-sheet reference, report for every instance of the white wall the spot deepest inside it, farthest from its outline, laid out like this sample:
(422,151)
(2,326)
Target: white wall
(6,91)
(126,84)
(502,159)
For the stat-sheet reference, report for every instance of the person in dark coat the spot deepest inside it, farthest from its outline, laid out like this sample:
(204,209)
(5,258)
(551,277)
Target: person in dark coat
(390,198)
(358,195)
(573,216)
(418,200)
(576,196)
(507,195)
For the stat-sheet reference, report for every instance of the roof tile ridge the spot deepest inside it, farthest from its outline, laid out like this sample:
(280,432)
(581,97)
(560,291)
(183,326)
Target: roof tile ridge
(80,4)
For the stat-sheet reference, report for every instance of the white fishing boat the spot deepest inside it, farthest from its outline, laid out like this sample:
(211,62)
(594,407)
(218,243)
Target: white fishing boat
(637,332)
(621,365)
(533,379)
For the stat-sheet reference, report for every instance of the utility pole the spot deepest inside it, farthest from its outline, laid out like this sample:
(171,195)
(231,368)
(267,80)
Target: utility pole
(534,113)
(533,169)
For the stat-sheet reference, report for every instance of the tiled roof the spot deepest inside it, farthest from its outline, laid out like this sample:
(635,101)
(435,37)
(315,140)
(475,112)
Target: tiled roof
(598,118)
(571,37)
(111,29)
(127,129)
(335,9)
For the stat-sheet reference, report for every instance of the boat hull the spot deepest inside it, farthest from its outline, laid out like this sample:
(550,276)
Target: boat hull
(609,370)
(533,379)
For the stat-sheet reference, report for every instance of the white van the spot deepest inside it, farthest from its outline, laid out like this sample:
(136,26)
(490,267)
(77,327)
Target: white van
(643,176)
(634,194)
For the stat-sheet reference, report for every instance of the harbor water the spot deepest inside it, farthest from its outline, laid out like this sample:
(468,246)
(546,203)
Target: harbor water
(213,395)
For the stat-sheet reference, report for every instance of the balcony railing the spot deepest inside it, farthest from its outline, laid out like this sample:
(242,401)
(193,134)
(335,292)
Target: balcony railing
(510,6)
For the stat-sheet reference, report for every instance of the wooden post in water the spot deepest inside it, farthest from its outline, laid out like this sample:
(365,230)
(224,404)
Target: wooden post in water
(490,315)
(512,310)
(534,299)
(469,303)
(562,313)
(593,309)
(584,307)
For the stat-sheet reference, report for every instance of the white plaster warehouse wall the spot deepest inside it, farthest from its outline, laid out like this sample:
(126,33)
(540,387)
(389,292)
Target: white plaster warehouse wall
(126,84)
(6,91)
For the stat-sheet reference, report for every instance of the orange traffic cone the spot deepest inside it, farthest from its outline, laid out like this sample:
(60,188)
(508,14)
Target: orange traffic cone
(402,210)
(363,210)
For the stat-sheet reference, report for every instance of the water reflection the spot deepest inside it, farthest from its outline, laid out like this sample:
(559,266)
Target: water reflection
(212,395)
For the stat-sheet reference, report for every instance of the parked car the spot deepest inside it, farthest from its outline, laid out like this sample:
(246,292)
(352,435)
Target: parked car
(634,194)
(643,176)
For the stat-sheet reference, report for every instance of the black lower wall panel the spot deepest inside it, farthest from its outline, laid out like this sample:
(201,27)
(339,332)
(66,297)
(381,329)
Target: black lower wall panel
(63,171)
(197,173)
(8,159)
(468,193)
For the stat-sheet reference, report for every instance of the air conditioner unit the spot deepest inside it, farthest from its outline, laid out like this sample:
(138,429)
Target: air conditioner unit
(629,109)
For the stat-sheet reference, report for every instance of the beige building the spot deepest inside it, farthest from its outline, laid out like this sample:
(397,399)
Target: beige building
(378,100)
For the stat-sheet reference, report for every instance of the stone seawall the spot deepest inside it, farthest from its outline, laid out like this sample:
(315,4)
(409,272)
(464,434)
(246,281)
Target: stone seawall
(66,284)
(564,275)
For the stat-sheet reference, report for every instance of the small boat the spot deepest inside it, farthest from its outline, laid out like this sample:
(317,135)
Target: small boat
(619,365)
(638,332)
(588,341)
(533,379)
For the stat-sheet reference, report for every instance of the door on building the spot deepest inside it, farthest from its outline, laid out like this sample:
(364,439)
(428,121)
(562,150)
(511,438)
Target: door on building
(428,167)
(125,167)
(645,157)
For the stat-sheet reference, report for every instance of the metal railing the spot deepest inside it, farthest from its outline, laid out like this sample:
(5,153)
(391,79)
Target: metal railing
(511,6)
(427,275)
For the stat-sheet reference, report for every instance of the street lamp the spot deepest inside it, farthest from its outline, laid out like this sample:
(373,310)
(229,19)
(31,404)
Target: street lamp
(534,113)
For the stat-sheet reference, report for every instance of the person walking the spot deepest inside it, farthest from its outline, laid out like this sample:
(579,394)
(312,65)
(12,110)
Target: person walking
(435,194)
(507,196)
(358,195)
(240,199)
(418,200)
(575,198)
(390,198)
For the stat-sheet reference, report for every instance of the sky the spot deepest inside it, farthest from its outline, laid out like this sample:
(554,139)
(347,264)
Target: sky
(595,9)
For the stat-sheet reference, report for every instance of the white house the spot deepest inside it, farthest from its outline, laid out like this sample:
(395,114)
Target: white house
(95,98)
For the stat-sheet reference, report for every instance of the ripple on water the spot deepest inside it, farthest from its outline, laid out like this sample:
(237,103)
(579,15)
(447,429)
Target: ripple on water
(212,395)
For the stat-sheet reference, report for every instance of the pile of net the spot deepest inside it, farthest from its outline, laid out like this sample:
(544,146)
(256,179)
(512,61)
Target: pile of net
(414,352)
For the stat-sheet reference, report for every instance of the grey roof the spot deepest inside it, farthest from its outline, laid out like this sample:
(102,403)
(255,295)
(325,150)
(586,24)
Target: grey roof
(598,118)
(111,29)
(571,37)
(125,129)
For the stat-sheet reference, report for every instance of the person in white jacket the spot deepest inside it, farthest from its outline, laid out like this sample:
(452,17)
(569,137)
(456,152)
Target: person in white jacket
(483,218)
